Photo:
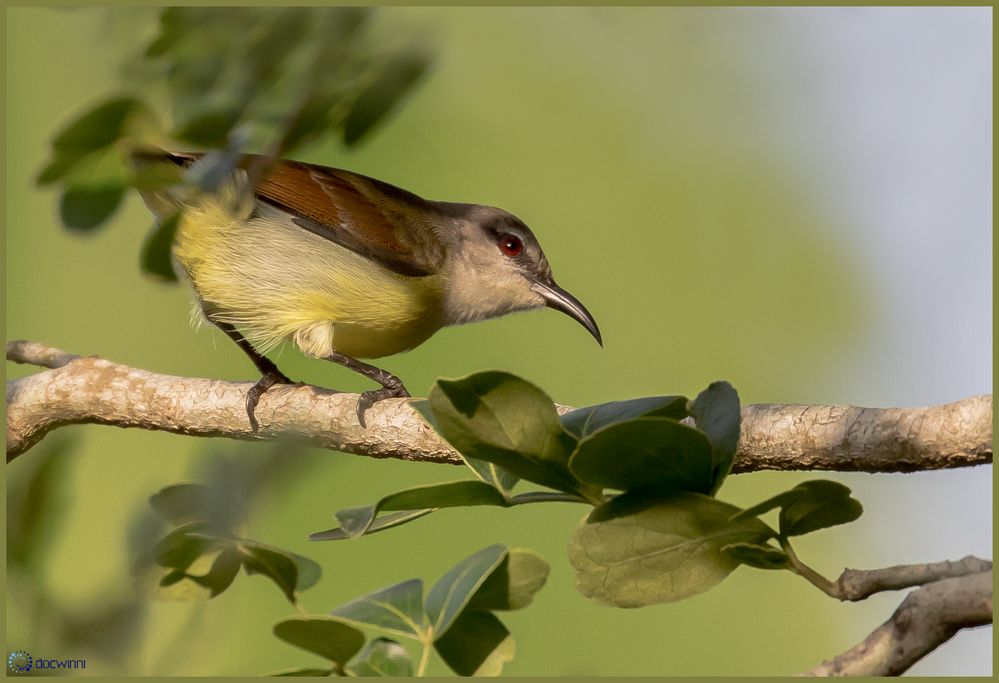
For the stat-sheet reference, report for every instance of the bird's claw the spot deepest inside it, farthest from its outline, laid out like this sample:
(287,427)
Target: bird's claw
(257,390)
(369,398)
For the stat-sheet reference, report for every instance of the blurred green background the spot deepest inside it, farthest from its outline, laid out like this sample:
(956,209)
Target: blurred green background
(797,201)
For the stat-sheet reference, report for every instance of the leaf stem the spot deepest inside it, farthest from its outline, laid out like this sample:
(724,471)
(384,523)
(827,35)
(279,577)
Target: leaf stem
(425,657)
(806,572)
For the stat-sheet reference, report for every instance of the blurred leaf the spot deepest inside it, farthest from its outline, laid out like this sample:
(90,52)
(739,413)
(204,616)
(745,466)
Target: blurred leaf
(178,549)
(584,421)
(502,419)
(382,657)
(757,555)
(452,593)
(652,453)
(303,672)
(513,583)
(208,128)
(819,504)
(93,132)
(381,524)
(167,571)
(291,571)
(182,503)
(356,521)
(222,573)
(643,549)
(155,257)
(477,644)
(396,79)
(172,28)
(35,499)
(717,413)
(111,627)
(309,122)
(276,566)
(329,638)
(86,208)
(99,127)
(396,609)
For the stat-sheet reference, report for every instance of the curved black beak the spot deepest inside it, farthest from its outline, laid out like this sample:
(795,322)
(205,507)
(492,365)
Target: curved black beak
(561,300)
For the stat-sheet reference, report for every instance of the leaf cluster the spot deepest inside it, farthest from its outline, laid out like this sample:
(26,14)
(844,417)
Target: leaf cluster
(650,467)
(456,618)
(201,554)
(268,78)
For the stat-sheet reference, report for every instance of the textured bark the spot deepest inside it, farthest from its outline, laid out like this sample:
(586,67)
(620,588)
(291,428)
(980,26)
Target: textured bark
(774,437)
(927,618)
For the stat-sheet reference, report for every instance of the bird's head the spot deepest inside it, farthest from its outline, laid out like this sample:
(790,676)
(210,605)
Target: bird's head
(496,266)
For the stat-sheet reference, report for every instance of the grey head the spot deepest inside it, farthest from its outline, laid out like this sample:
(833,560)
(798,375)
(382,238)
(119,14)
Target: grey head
(496,265)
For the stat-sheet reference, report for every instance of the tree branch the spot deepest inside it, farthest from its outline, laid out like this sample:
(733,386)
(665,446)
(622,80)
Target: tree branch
(927,618)
(774,437)
(859,584)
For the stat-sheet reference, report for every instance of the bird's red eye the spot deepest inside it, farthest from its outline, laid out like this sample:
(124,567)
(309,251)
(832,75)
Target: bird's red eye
(511,245)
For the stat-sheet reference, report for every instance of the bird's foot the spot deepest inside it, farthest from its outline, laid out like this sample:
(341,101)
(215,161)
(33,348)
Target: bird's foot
(268,380)
(369,398)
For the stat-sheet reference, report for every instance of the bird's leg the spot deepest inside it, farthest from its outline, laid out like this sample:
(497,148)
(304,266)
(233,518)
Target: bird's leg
(391,385)
(270,375)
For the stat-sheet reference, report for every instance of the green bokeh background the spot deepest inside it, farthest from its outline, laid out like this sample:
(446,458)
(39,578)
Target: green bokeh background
(657,153)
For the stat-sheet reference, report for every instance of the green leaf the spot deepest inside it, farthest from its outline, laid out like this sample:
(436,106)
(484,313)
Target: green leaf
(381,524)
(769,504)
(306,671)
(502,419)
(87,208)
(382,657)
(329,638)
(182,503)
(397,78)
(809,506)
(91,134)
(495,476)
(99,127)
(397,609)
(761,556)
(477,644)
(178,549)
(819,504)
(276,566)
(222,573)
(155,257)
(513,583)
(208,128)
(653,453)
(356,521)
(643,549)
(717,413)
(176,567)
(584,421)
(452,593)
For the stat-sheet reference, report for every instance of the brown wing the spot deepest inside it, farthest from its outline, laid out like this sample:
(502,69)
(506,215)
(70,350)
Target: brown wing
(384,223)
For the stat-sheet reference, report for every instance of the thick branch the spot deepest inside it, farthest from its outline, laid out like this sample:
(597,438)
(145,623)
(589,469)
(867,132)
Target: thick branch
(776,437)
(927,618)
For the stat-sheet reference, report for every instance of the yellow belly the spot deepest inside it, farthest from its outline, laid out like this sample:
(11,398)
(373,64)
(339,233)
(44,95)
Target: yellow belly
(277,282)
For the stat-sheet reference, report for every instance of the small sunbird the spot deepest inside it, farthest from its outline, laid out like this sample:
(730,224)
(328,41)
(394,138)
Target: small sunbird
(344,265)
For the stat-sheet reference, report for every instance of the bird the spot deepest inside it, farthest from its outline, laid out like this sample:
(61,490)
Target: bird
(343,265)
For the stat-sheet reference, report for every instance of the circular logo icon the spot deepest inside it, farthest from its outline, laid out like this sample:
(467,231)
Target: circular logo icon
(19,662)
